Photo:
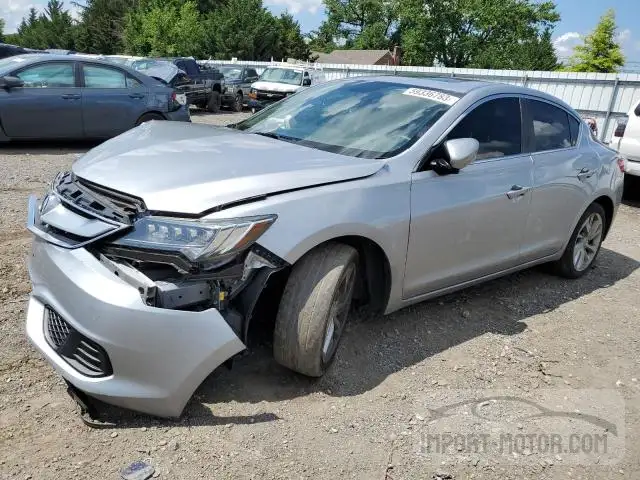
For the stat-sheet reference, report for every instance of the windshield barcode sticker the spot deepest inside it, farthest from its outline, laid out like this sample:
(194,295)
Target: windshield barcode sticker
(431,95)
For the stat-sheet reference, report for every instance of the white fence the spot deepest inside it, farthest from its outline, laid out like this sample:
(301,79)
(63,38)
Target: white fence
(603,96)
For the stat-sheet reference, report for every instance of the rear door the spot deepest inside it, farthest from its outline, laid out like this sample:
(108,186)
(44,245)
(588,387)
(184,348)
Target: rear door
(470,224)
(564,176)
(112,100)
(49,105)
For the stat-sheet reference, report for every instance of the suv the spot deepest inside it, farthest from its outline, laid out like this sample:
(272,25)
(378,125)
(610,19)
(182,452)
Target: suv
(280,81)
(626,140)
(205,85)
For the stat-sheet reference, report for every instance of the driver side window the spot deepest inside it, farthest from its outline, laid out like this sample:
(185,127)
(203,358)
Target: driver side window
(496,125)
(48,75)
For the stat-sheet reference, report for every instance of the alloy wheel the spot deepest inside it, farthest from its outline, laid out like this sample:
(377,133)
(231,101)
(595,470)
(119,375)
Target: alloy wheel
(587,242)
(339,312)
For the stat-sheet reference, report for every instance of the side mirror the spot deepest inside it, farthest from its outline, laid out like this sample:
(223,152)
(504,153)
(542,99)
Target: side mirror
(10,82)
(306,82)
(461,151)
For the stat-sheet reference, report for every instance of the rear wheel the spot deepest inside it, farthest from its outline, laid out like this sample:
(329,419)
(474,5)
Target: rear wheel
(584,244)
(314,309)
(147,117)
(213,105)
(237,103)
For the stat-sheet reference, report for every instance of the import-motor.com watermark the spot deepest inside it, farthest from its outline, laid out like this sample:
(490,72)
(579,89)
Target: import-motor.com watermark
(569,426)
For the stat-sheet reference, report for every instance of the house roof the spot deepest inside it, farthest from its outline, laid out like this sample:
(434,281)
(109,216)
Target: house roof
(355,57)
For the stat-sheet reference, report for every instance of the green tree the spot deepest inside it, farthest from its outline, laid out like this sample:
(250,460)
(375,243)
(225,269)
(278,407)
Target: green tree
(324,38)
(600,52)
(12,38)
(473,33)
(1,29)
(53,28)
(364,24)
(165,28)
(292,42)
(101,26)
(246,30)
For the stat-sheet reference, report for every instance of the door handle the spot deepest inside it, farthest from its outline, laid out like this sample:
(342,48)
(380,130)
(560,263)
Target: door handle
(517,191)
(136,95)
(585,173)
(71,96)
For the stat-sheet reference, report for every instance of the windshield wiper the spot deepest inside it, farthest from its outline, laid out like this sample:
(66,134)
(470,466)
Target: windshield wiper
(277,136)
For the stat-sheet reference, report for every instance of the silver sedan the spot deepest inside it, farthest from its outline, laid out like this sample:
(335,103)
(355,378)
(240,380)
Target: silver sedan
(153,256)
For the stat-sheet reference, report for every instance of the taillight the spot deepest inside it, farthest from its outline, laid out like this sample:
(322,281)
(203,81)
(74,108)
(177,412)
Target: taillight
(620,128)
(173,102)
(621,164)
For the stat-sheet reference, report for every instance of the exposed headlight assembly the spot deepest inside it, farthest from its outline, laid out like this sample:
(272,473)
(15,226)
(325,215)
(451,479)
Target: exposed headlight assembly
(197,240)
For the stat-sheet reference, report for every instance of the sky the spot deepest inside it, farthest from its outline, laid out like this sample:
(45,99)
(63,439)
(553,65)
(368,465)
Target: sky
(578,17)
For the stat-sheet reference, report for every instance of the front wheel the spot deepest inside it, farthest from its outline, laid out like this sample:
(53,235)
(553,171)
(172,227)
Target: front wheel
(237,103)
(314,309)
(584,244)
(213,105)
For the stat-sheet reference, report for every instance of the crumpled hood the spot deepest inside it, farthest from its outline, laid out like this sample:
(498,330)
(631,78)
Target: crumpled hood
(275,87)
(187,168)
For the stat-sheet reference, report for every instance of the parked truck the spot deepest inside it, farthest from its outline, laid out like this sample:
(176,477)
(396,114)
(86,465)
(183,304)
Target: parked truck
(203,86)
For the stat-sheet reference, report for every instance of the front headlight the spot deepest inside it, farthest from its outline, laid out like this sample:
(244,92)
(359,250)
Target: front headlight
(197,240)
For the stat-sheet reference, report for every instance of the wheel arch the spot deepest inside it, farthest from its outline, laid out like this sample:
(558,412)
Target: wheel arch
(151,112)
(609,208)
(373,289)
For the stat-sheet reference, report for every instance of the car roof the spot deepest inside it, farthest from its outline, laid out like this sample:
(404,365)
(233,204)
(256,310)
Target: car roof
(30,58)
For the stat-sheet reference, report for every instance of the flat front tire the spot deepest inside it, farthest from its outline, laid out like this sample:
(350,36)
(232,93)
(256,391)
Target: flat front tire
(584,244)
(315,308)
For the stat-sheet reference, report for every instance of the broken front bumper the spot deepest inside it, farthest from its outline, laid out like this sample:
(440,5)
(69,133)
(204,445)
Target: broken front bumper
(156,357)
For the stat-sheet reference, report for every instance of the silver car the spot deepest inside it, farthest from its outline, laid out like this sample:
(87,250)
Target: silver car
(151,256)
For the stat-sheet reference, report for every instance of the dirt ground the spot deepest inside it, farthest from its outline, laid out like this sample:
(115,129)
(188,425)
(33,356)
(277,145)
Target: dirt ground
(527,333)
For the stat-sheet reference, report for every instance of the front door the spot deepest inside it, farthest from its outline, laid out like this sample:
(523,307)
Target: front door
(470,224)
(48,105)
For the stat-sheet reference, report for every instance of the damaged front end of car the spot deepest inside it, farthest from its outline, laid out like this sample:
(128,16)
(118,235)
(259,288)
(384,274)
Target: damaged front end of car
(204,268)
(175,263)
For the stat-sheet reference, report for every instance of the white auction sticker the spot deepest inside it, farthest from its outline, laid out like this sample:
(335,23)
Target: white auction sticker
(431,95)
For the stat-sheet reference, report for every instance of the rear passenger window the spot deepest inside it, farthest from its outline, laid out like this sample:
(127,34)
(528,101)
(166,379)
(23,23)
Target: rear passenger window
(496,125)
(574,128)
(103,77)
(550,126)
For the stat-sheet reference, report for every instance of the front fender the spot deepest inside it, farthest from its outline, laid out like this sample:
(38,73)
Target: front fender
(376,208)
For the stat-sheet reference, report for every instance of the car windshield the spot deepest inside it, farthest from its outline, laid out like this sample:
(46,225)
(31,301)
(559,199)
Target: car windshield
(231,73)
(282,75)
(360,118)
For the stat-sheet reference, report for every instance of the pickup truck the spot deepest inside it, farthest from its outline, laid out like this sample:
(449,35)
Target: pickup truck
(203,86)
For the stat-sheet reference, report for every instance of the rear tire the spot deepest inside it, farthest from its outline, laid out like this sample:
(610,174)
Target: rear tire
(147,117)
(213,105)
(584,244)
(238,103)
(314,309)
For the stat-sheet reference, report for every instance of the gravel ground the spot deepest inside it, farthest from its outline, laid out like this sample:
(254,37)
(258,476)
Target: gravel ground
(525,334)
